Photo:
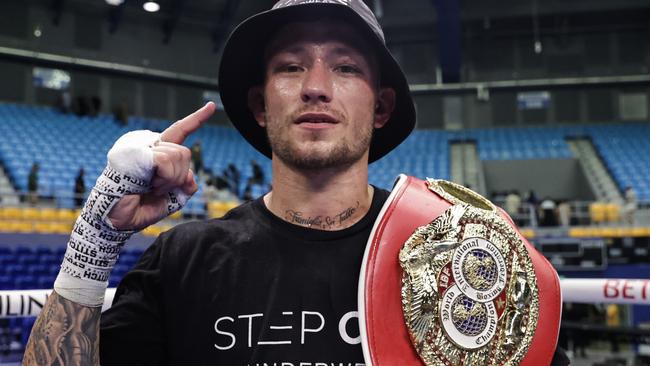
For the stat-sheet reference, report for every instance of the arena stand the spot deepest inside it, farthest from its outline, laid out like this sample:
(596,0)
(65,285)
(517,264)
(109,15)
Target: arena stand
(424,153)
(625,151)
(30,258)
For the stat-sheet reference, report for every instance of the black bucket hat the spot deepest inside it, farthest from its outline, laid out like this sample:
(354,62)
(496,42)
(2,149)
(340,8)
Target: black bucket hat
(242,67)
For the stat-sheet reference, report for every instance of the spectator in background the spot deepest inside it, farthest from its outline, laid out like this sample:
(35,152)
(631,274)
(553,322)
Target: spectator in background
(64,103)
(248,193)
(512,205)
(548,207)
(232,176)
(197,157)
(95,104)
(217,189)
(258,173)
(630,205)
(531,199)
(498,196)
(254,188)
(16,344)
(223,192)
(32,184)
(79,188)
(572,315)
(209,190)
(564,213)
(121,113)
(81,106)
(613,319)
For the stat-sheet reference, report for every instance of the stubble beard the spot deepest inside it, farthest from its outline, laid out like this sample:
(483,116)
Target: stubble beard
(343,154)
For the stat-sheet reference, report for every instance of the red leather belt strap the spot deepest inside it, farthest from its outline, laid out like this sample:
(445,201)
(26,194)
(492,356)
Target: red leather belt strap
(385,338)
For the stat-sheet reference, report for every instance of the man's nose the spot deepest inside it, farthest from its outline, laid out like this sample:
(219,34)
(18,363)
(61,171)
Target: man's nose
(317,85)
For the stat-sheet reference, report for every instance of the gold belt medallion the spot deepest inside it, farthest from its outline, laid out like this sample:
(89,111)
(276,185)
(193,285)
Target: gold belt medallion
(469,292)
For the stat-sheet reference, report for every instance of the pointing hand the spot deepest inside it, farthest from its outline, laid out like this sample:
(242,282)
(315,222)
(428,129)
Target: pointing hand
(171,173)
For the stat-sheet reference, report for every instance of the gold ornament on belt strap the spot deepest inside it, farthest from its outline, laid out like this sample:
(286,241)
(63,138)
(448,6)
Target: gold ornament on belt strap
(469,291)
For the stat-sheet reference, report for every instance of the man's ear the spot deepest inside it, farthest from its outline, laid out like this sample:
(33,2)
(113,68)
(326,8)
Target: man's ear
(256,104)
(384,106)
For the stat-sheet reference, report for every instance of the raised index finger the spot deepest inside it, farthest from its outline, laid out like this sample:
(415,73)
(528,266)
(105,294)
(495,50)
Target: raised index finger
(178,132)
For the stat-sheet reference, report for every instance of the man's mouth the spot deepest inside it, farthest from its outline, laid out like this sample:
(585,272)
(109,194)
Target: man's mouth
(316,118)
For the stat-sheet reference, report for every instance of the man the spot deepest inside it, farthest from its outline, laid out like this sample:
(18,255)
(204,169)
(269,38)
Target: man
(549,214)
(630,205)
(309,84)
(32,184)
(258,173)
(197,157)
(79,188)
(275,281)
(512,205)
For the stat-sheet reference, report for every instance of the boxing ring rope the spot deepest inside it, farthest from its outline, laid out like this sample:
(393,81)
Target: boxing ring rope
(25,303)
(606,290)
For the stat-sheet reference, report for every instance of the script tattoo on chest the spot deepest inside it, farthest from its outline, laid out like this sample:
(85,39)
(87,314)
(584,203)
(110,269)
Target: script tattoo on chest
(321,222)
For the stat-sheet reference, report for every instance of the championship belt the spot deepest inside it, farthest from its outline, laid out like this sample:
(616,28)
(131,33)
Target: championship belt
(447,279)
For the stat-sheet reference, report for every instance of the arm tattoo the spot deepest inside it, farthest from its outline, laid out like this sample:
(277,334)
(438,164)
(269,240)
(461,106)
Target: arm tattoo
(65,333)
(321,222)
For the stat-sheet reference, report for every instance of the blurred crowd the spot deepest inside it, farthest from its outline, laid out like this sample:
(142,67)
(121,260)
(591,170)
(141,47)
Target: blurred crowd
(549,212)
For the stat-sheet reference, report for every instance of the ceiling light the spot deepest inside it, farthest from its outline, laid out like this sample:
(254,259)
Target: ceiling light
(114,2)
(151,6)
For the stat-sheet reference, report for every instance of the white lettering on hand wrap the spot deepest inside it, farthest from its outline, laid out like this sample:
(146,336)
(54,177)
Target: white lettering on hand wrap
(95,244)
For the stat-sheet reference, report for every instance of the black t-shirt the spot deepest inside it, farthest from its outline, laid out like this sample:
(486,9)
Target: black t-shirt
(247,289)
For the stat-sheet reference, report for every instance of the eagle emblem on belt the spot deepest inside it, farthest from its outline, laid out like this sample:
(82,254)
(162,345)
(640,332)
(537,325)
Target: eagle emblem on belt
(469,292)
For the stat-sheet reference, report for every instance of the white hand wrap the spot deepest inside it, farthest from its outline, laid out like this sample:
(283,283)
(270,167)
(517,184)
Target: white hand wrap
(95,244)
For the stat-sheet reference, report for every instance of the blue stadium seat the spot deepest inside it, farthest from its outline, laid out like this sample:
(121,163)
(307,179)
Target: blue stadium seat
(26,328)
(54,269)
(48,259)
(127,259)
(114,280)
(45,282)
(120,270)
(6,283)
(424,153)
(7,259)
(25,282)
(24,250)
(43,250)
(28,259)
(15,270)
(38,270)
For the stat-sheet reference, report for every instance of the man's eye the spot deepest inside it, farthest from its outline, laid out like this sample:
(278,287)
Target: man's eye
(349,69)
(292,68)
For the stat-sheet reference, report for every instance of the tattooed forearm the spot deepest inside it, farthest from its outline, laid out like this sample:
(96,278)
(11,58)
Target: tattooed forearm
(321,222)
(65,333)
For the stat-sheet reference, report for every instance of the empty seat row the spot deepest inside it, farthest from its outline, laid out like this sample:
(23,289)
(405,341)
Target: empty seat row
(618,144)
(36,267)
